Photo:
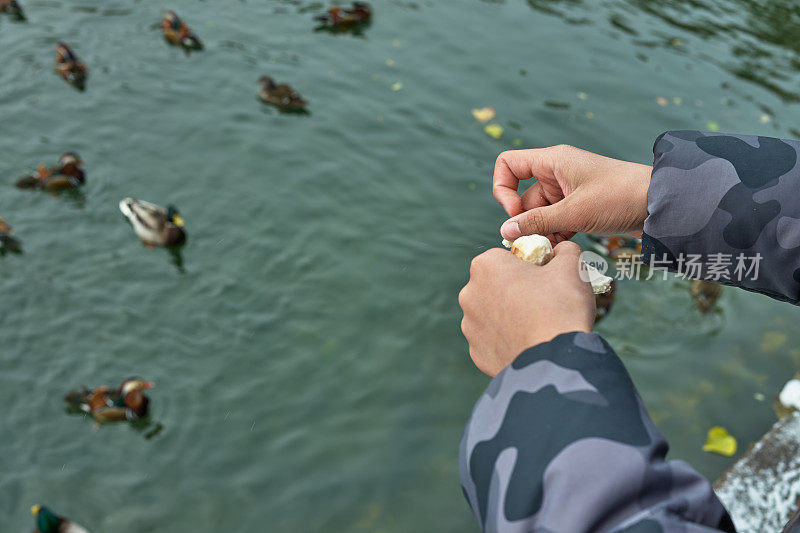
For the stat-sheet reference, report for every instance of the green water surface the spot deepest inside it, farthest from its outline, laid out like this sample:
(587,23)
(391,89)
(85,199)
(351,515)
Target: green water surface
(310,372)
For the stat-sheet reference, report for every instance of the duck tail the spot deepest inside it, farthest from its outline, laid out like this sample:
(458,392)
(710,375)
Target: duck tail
(78,399)
(28,182)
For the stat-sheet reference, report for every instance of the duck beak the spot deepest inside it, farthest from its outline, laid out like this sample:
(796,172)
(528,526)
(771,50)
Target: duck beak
(148,385)
(177,220)
(35,509)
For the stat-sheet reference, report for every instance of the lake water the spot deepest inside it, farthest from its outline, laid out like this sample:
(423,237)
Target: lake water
(310,372)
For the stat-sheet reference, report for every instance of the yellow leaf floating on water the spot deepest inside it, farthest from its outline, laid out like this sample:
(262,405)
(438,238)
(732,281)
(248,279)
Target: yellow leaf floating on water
(484,114)
(398,85)
(516,142)
(712,126)
(772,340)
(494,130)
(720,441)
(663,102)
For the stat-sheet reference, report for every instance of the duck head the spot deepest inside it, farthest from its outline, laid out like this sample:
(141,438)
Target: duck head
(134,385)
(173,216)
(267,82)
(70,158)
(46,520)
(4,226)
(64,50)
(362,7)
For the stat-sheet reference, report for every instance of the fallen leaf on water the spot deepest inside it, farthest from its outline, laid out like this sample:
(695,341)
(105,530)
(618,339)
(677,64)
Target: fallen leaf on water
(677,100)
(494,130)
(765,118)
(472,186)
(396,86)
(720,441)
(516,142)
(485,114)
(712,126)
(663,102)
(582,95)
(589,114)
(390,62)
(772,340)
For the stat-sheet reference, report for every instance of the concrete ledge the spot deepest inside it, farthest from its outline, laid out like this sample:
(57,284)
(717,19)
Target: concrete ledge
(762,490)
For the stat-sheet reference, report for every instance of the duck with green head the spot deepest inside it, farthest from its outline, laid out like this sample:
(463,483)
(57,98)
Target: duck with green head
(127,402)
(49,522)
(154,225)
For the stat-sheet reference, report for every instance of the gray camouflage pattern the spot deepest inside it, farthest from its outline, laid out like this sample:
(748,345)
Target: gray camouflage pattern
(730,194)
(561,442)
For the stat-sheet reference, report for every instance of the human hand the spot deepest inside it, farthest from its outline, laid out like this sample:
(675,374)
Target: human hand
(575,191)
(510,305)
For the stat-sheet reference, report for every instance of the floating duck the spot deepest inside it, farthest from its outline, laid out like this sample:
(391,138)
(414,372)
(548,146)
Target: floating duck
(49,522)
(8,243)
(337,17)
(67,174)
(176,32)
(154,225)
(705,294)
(603,303)
(280,95)
(127,402)
(69,67)
(12,8)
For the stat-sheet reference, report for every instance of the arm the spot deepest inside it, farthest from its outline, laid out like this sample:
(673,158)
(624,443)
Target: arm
(726,208)
(560,441)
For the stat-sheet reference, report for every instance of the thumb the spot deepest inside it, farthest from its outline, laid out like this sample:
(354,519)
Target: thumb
(544,220)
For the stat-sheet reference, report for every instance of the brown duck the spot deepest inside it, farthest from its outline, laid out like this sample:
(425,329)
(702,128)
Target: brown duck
(280,95)
(705,294)
(127,402)
(67,174)
(338,17)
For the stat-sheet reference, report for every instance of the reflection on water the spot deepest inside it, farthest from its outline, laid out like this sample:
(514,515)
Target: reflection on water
(762,38)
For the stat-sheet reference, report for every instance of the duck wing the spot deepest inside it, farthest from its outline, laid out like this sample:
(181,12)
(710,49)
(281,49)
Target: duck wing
(287,95)
(149,221)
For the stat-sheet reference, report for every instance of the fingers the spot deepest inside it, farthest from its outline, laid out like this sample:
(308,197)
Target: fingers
(545,220)
(515,165)
(567,251)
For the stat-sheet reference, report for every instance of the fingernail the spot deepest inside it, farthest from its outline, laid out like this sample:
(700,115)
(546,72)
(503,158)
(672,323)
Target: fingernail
(510,230)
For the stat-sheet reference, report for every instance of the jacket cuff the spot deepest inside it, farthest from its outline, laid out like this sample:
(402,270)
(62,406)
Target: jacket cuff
(725,208)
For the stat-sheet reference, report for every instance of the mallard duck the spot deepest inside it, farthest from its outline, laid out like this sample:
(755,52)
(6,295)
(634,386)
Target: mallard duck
(178,33)
(8,243)
(336,16)
(12,8)
(280,95)
(705,294)
(67,174)
(49,522)
(69,67)
(127,402)
(154,225)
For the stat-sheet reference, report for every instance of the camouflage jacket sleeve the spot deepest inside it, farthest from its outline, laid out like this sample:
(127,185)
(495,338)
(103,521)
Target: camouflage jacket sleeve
(726,208)
(560,442)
